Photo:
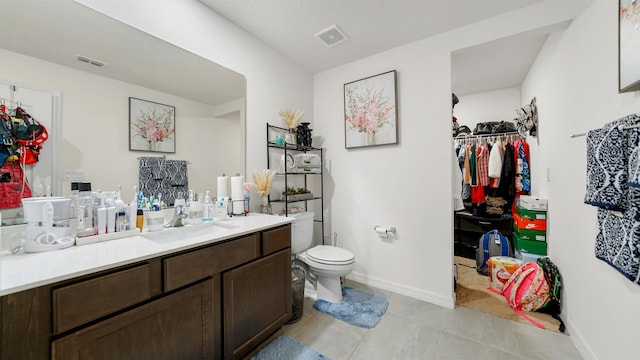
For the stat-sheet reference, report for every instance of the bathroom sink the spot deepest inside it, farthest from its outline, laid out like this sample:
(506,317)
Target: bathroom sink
(213,229)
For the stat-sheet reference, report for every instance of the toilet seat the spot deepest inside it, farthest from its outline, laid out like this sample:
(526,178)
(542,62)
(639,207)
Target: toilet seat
(330,255)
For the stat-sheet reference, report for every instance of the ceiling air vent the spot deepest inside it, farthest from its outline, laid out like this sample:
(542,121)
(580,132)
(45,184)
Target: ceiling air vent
(91,61)
(331,36)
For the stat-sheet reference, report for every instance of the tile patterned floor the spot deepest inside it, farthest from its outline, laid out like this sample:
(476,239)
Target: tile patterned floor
(414,329)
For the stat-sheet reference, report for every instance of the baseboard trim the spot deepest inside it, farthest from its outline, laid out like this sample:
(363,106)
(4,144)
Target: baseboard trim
(437,299)
(581,344)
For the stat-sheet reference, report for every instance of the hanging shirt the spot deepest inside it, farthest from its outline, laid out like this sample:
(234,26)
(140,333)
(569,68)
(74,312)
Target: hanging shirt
(495,160)
(466,171)
(507,189)
(483,164)
(472,165)
(523,177)
(457,184)
(495,164)
(477,194)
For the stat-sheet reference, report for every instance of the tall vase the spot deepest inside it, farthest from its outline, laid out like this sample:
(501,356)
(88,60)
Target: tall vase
(153,145)
(265,207)
(292,135)
(369,140)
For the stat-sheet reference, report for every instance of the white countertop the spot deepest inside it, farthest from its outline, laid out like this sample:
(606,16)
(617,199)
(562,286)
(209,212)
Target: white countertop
(29,270)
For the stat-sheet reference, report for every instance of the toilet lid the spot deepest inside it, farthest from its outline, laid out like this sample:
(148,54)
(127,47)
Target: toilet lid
(330,254)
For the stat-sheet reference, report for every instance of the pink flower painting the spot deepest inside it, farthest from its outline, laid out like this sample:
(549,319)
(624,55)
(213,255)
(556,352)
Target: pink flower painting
(369,105)
(152,126)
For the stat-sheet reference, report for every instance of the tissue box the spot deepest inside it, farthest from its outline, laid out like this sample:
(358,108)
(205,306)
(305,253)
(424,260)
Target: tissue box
(533,203)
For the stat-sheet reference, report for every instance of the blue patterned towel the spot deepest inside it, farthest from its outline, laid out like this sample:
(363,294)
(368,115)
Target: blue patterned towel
(633,151)
(618,242)
(607,179)
(633,148)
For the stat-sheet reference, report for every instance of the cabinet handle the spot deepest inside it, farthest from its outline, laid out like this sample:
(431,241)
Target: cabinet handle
(484,222)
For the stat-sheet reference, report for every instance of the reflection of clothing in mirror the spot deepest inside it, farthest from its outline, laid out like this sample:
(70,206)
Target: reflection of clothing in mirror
(457,183)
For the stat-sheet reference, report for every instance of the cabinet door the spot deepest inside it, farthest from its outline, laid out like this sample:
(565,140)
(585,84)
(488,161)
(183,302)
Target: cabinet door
(183,325)
(257,302)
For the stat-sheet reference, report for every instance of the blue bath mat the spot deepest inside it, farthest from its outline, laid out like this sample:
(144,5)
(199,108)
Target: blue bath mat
(357,308)
(287,348)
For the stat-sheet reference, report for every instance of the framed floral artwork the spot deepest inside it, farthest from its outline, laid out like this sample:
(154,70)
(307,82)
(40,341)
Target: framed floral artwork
(370,116)
(152,126)
(628,46)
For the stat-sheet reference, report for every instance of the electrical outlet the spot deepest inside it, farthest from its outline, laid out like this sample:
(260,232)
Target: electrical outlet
(68,174)
(78,174)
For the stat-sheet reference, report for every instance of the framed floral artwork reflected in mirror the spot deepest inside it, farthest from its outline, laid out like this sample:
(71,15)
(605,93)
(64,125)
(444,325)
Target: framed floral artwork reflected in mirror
(629,45)
(152,126)
(370,111)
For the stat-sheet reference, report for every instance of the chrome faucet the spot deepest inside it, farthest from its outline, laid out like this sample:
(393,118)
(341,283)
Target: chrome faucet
(179,219)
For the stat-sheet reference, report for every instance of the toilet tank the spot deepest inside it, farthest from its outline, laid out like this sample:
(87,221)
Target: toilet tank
(301,232)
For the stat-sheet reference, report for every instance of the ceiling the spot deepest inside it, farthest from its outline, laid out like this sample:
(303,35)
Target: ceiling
(373,26)
(58,31)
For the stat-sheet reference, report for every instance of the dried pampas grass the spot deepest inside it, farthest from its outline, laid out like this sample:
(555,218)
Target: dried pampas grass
(262,179)
(291,117)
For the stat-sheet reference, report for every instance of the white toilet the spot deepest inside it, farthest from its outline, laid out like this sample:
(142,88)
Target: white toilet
(325,264)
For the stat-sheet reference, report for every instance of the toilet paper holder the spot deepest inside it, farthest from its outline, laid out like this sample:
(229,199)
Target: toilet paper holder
(380,230)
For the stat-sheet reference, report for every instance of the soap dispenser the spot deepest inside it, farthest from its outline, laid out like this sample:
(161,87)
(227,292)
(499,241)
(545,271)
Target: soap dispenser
(195,210)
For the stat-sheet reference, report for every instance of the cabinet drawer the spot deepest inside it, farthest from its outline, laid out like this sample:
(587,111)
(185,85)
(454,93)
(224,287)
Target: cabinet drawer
(187,268)
(89,300)
(483,225)
(276,239)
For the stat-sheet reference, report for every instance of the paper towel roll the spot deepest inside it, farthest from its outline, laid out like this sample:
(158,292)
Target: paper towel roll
(237,193)
(223,186)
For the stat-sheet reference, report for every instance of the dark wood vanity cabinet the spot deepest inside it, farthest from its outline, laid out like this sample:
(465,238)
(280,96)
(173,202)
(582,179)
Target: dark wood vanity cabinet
(178,326)
(213,302)
(256,296)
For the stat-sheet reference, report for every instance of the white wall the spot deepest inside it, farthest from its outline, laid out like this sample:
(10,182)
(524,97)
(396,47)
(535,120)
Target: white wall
(407,185)
(497,105)
(575,82)
(95,127)
(273,82)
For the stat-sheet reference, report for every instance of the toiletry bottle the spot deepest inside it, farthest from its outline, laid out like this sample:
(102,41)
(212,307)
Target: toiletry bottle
(207,207)
(245,188)
(101,216)
(195,210)
(132,208)
(221,209)
(121,221)
(139,219)
(111,216)
(179,200)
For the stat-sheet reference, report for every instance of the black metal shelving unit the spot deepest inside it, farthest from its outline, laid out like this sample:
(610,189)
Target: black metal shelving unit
(289,148)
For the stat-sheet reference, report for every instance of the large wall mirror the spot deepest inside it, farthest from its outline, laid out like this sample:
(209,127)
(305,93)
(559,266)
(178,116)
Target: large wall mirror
(57,47)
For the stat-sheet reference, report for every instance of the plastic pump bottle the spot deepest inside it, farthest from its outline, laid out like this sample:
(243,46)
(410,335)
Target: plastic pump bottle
(207,207)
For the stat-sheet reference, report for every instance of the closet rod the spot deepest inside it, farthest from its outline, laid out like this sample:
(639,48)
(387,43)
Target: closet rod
(464,137)
(624,128)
